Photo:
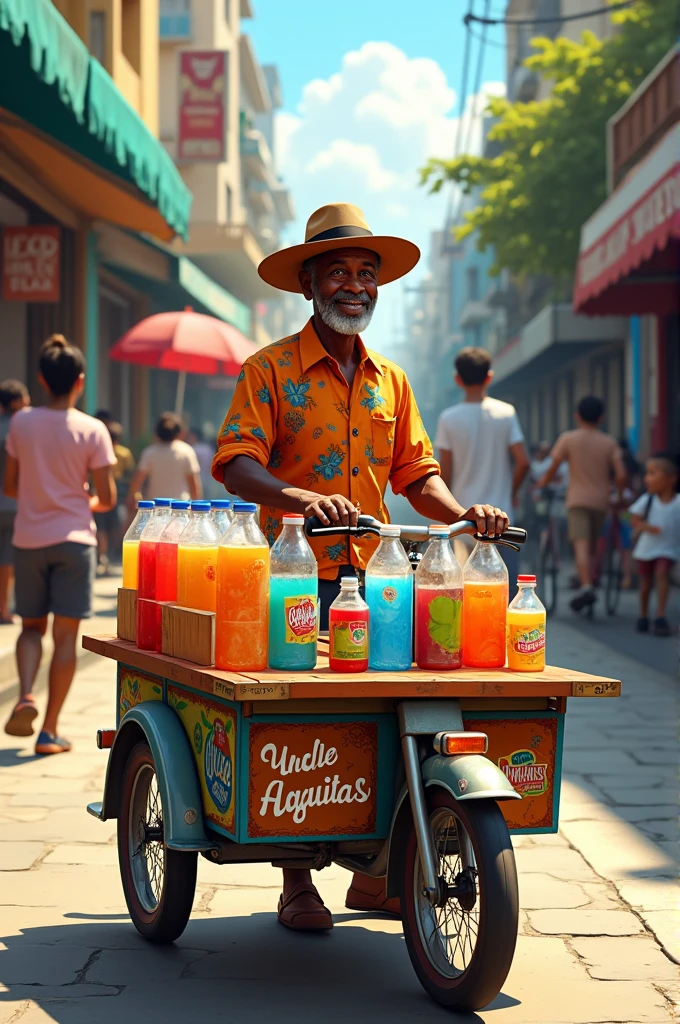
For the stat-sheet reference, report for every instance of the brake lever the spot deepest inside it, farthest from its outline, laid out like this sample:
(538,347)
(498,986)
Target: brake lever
(496,540)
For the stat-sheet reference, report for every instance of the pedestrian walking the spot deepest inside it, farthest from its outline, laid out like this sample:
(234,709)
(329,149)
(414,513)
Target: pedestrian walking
(656,521)
(594,459)
(169,467)
(13,396)
(480,446)
(109,523)
(51,453)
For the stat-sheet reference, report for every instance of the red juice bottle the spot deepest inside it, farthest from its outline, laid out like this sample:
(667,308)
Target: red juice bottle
(148,618)
(166,552)
(348,619)
(439,605)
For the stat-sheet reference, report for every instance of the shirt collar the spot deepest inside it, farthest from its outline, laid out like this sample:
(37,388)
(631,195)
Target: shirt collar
(312,351)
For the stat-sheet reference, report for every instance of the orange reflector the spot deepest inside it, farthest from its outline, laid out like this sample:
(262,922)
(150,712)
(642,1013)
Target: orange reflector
(461,743)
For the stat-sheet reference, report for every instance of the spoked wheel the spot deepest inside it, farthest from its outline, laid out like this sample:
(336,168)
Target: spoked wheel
(463,949)
(159,884)
(613,574)
(548,575)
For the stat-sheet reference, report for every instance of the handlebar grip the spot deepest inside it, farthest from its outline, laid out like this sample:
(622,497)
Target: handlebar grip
(365,524)
(515,534)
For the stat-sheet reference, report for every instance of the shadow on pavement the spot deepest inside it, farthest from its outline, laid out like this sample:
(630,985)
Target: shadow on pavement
(13,757)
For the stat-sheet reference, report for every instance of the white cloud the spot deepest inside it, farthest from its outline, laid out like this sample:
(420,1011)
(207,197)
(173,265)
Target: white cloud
(361,136)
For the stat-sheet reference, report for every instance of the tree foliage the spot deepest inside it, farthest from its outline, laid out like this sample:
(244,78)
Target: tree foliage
(551,173)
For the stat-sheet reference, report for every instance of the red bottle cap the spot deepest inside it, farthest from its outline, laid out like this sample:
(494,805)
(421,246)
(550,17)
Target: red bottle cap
(526,579)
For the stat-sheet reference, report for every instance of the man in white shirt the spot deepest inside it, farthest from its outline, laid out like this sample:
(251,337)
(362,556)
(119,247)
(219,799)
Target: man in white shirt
(481,446)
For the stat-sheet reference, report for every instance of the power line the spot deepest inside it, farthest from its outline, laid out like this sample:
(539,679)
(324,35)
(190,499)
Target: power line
(478,78)
(610,9)
(461,111)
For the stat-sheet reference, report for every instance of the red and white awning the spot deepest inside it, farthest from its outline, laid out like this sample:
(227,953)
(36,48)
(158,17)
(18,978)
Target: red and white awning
(635,235)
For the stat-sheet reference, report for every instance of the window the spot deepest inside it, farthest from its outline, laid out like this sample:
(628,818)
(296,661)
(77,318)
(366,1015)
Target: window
(472,278)
(229,205)
(131,14)
(97,35)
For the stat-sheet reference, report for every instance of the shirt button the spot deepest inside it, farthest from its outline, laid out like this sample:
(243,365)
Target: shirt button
(355,432)
(355,471)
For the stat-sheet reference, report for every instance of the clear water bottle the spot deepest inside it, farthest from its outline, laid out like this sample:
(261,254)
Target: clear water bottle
(242,594)
(221,515)
(439,604)
(197,560)
(131,543)
(485,608)
(389,595)
(293,599)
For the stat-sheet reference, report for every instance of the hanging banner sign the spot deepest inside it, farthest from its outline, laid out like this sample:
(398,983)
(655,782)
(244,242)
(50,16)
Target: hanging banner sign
(202,105)
(31,263)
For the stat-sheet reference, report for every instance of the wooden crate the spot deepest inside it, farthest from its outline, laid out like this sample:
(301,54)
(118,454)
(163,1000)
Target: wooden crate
(127,614)
(188,634)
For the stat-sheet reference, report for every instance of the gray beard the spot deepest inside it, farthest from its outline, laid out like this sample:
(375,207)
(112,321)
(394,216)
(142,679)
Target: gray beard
(341,322)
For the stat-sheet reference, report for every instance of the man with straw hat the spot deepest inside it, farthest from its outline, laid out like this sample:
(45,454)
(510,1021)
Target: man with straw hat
(320,425)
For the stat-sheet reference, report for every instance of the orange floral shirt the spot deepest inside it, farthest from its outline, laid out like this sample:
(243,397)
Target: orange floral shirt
(294,413)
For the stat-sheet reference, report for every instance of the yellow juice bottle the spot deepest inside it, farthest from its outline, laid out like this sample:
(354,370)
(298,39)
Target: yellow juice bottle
(197,560)
(131,543)
(526,628)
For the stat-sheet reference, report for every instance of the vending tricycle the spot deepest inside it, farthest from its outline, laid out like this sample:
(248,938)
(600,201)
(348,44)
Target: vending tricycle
(417,777)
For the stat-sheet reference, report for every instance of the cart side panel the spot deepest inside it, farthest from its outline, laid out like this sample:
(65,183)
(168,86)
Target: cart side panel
(212,727)
(135,687)
(318,777)
(527,747)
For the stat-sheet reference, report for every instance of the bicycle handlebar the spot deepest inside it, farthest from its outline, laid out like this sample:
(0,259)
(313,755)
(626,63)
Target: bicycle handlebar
(513,536)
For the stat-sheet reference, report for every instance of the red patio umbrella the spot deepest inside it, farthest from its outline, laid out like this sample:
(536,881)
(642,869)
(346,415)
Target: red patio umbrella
(187,342)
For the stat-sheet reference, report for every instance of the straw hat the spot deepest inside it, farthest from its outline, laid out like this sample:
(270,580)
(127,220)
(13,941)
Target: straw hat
(338,226)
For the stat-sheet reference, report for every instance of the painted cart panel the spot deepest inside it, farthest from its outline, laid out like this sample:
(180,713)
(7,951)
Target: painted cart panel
(135,687)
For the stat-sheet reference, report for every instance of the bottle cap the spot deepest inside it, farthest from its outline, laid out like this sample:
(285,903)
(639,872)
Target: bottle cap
(526,579)
(200,506)
(179,506)
(162,502)
(145,504)
(245,506)
(293,520)
(390,531)
(349,583)
(439,531)
(220,503)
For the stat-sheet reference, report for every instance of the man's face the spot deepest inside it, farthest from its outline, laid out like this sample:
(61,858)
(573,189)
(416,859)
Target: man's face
(344,288)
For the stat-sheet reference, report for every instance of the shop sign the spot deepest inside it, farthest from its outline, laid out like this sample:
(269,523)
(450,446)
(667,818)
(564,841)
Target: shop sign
(31,263)
(202,105)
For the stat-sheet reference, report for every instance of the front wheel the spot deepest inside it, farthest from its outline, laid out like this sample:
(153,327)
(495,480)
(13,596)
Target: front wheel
(159,884)
(462,950)
(613,576)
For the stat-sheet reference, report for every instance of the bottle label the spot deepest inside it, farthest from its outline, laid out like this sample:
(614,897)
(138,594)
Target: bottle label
(301,619)
(349,640)
(526,645)
(389,594)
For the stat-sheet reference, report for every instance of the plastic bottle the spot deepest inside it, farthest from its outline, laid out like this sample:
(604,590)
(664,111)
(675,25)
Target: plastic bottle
(389,595)
(131,543)
(439,604)
(221,515)
(242,594)
(148,616)
(526,628)
(197,560)
(166,552)
(485,607)
(293,599)
(348,619)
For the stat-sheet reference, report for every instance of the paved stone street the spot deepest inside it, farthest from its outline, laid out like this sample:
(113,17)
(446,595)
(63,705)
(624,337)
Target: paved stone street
(599,901)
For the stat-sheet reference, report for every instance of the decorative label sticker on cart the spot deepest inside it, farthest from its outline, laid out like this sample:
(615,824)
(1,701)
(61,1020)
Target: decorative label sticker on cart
(312,779)
(526,751)
(135,687)
(211,728)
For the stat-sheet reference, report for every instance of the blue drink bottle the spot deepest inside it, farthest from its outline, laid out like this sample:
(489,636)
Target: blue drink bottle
(389,594)
(293,599)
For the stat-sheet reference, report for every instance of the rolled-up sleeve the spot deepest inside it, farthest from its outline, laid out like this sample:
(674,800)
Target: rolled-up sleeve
(249,427)
(413,455)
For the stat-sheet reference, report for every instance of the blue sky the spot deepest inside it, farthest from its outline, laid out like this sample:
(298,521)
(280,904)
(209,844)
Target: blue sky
(369,94)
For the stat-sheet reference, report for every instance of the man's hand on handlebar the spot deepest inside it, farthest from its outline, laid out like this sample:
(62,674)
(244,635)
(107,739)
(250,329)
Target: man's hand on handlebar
(490,520)
(333,508)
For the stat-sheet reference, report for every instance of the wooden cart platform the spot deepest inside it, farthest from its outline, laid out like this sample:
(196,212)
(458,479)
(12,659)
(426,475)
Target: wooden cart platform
(274,685)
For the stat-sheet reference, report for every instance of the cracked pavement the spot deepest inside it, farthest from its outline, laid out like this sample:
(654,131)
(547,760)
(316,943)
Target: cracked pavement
(598,936)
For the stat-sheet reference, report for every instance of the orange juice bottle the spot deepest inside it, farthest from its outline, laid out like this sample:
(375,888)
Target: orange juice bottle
(526,628)
(242,629)
(485,607)
(131,543)
(197,560)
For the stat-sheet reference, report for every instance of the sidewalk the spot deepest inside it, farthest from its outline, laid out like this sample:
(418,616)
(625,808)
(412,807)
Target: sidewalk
(102,621)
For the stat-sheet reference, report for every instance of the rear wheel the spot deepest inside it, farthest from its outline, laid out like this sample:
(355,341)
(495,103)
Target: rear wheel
(159,884)
(548,573)
(463,949)
(613,572)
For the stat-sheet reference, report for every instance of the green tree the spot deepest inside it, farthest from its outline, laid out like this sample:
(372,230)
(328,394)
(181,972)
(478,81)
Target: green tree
(551,173)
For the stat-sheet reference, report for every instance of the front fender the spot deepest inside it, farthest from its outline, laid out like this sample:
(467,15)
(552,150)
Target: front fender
(468,777)
(178,781)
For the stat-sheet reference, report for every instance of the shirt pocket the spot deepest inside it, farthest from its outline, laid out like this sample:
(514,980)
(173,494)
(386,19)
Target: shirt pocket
(380,450)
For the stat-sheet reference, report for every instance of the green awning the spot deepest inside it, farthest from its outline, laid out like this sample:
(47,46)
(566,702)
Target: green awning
(50,80)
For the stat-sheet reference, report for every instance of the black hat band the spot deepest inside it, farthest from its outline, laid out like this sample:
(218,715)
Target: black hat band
(343,231)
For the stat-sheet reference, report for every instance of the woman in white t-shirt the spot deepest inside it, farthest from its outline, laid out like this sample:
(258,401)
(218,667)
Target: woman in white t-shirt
(169,468)
(656,521)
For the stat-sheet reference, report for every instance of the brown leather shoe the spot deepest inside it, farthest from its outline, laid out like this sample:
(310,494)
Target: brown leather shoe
(303,910)
(366,893)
